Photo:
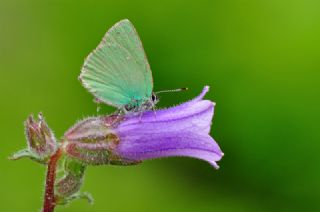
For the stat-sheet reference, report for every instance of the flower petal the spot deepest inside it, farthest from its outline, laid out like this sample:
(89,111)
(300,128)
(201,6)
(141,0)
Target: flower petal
(194,115)
(196,119)
(160,145)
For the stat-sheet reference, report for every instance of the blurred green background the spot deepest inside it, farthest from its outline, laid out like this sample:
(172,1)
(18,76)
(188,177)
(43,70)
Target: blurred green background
(261,59)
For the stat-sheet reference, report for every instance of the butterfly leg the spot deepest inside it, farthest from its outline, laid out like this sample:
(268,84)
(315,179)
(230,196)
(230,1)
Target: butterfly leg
(140,116)
(154,111)
(97,101)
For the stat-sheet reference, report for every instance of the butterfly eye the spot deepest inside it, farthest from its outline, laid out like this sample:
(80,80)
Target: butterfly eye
(153,97)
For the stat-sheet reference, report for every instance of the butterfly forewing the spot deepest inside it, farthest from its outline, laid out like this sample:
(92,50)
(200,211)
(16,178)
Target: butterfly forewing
(117,71)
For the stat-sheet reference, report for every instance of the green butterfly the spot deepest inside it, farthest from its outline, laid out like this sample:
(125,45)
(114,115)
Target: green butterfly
(117,72)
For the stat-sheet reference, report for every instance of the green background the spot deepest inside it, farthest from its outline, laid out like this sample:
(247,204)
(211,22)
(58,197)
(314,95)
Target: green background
(261,59)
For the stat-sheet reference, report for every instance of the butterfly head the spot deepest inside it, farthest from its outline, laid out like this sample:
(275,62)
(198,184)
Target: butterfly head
(147,103)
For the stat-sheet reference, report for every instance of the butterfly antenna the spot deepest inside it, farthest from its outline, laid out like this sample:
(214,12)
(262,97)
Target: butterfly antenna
(173,90)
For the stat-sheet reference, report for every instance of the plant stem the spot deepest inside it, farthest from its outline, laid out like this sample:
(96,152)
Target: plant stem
(49,197)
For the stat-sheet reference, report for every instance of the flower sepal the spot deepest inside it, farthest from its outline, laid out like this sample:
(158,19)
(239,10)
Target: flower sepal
(93,141)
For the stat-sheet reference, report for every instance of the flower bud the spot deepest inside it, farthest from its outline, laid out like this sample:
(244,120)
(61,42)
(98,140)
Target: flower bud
(93,141)
(40,140)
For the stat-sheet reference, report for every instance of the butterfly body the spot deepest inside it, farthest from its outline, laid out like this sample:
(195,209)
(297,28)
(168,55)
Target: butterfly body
(117,72)
(140,105)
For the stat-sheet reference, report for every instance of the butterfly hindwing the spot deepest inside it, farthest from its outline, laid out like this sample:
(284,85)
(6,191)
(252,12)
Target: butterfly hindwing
(117,71)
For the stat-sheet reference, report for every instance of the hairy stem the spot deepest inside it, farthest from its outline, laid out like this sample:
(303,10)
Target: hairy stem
(49,197)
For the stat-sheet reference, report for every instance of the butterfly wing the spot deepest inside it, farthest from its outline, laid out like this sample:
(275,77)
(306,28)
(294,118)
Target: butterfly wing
(117,71)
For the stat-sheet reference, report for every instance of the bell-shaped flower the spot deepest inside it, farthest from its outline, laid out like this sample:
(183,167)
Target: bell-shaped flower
(182,130)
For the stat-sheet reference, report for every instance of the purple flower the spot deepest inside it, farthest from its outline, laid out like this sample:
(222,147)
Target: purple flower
(178,131)
(182,130)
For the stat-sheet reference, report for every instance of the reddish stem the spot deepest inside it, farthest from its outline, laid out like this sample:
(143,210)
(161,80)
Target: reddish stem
(49,198)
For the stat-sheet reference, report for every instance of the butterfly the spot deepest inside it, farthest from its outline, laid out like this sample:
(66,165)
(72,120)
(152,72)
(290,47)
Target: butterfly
(117,72)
